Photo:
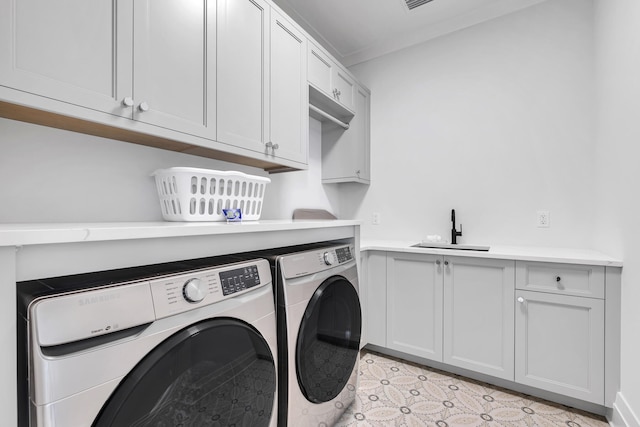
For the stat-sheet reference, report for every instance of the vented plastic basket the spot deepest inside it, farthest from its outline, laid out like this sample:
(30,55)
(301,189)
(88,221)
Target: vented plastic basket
(193,194)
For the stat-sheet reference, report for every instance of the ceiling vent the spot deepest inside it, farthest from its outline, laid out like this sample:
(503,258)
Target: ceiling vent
(412,4)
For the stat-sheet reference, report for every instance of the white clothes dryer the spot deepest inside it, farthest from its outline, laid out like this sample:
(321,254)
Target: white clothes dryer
(319,327)
(177,344)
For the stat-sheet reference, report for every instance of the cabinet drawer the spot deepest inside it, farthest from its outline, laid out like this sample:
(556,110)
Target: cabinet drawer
(567,279)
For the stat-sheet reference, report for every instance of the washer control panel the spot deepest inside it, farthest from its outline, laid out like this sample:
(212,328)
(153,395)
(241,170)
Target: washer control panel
(344,254)
(194,290)
(89,313)
(240,279)
(329,258)
(186,291)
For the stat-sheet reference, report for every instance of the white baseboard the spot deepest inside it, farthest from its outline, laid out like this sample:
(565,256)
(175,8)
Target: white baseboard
(623,415)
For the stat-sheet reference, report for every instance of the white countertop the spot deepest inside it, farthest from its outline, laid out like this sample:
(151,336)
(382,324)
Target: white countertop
(45,233)
(523,253)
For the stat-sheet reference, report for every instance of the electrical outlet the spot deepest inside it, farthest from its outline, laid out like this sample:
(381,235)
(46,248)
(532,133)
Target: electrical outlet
(376,218)
(543,219)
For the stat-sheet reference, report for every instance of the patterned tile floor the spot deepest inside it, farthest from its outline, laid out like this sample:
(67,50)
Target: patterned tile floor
(393,392)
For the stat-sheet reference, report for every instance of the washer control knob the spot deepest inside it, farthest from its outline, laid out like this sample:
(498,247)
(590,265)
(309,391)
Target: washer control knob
(329,258)
(194,290)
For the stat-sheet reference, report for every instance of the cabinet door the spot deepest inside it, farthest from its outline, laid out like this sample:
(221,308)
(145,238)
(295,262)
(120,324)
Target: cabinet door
(74,51)
(478,315)
(363,137)
(289,94)
(174,64)
(560,344)
(375,306)
(346,153)
(414,304)
(344,87)
(243,73)
(320,69)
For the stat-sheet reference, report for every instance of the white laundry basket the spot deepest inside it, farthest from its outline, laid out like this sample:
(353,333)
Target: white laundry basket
(193,194)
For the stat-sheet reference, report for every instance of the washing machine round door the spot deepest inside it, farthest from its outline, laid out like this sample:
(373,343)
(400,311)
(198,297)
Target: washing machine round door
(216,371)
(328,340)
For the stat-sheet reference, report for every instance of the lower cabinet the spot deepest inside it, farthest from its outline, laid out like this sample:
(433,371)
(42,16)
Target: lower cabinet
(456,310)
(480,314)
(375,294)
(414,304)
(560,336)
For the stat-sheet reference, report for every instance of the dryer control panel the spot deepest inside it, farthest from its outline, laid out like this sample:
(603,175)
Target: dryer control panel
(315,261)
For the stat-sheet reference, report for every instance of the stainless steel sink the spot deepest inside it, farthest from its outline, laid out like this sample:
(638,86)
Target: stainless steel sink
(458,247)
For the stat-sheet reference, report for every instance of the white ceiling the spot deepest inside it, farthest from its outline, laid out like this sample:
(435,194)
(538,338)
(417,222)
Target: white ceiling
(355,31)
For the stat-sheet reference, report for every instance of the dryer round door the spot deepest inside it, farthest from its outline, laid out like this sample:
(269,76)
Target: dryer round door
(328,340)
(216,371)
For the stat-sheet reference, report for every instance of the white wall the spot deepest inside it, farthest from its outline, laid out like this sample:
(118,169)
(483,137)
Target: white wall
(495,121)
(617,175)
(52,175)
(303,189)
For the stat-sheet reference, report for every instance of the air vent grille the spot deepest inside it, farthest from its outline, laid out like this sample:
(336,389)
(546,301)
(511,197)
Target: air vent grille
(412,4)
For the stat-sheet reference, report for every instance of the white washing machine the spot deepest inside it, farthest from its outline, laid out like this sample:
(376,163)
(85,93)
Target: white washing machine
(178,344)
(319,320)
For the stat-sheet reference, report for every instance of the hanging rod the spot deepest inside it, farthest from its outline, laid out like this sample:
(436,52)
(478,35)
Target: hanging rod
(329,117)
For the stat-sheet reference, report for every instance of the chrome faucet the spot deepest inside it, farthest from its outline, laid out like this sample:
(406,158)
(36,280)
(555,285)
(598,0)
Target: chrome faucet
(454,233)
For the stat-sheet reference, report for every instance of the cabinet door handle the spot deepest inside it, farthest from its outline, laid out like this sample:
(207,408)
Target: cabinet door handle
(143,107)
(521,300)
(558,278)
(271,146)
(127,101)
(437,262)
(446,263)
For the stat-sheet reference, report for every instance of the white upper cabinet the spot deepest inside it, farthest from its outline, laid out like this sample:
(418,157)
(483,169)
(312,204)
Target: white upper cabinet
(346,153)
(320,68)
(328,77)
(343,87)
(174,65)
(158,68)
(289,95)
(196,76)
(243,73)
(74,51)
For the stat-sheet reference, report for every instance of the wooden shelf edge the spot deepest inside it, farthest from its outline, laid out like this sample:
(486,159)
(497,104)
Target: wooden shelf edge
(46,118)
